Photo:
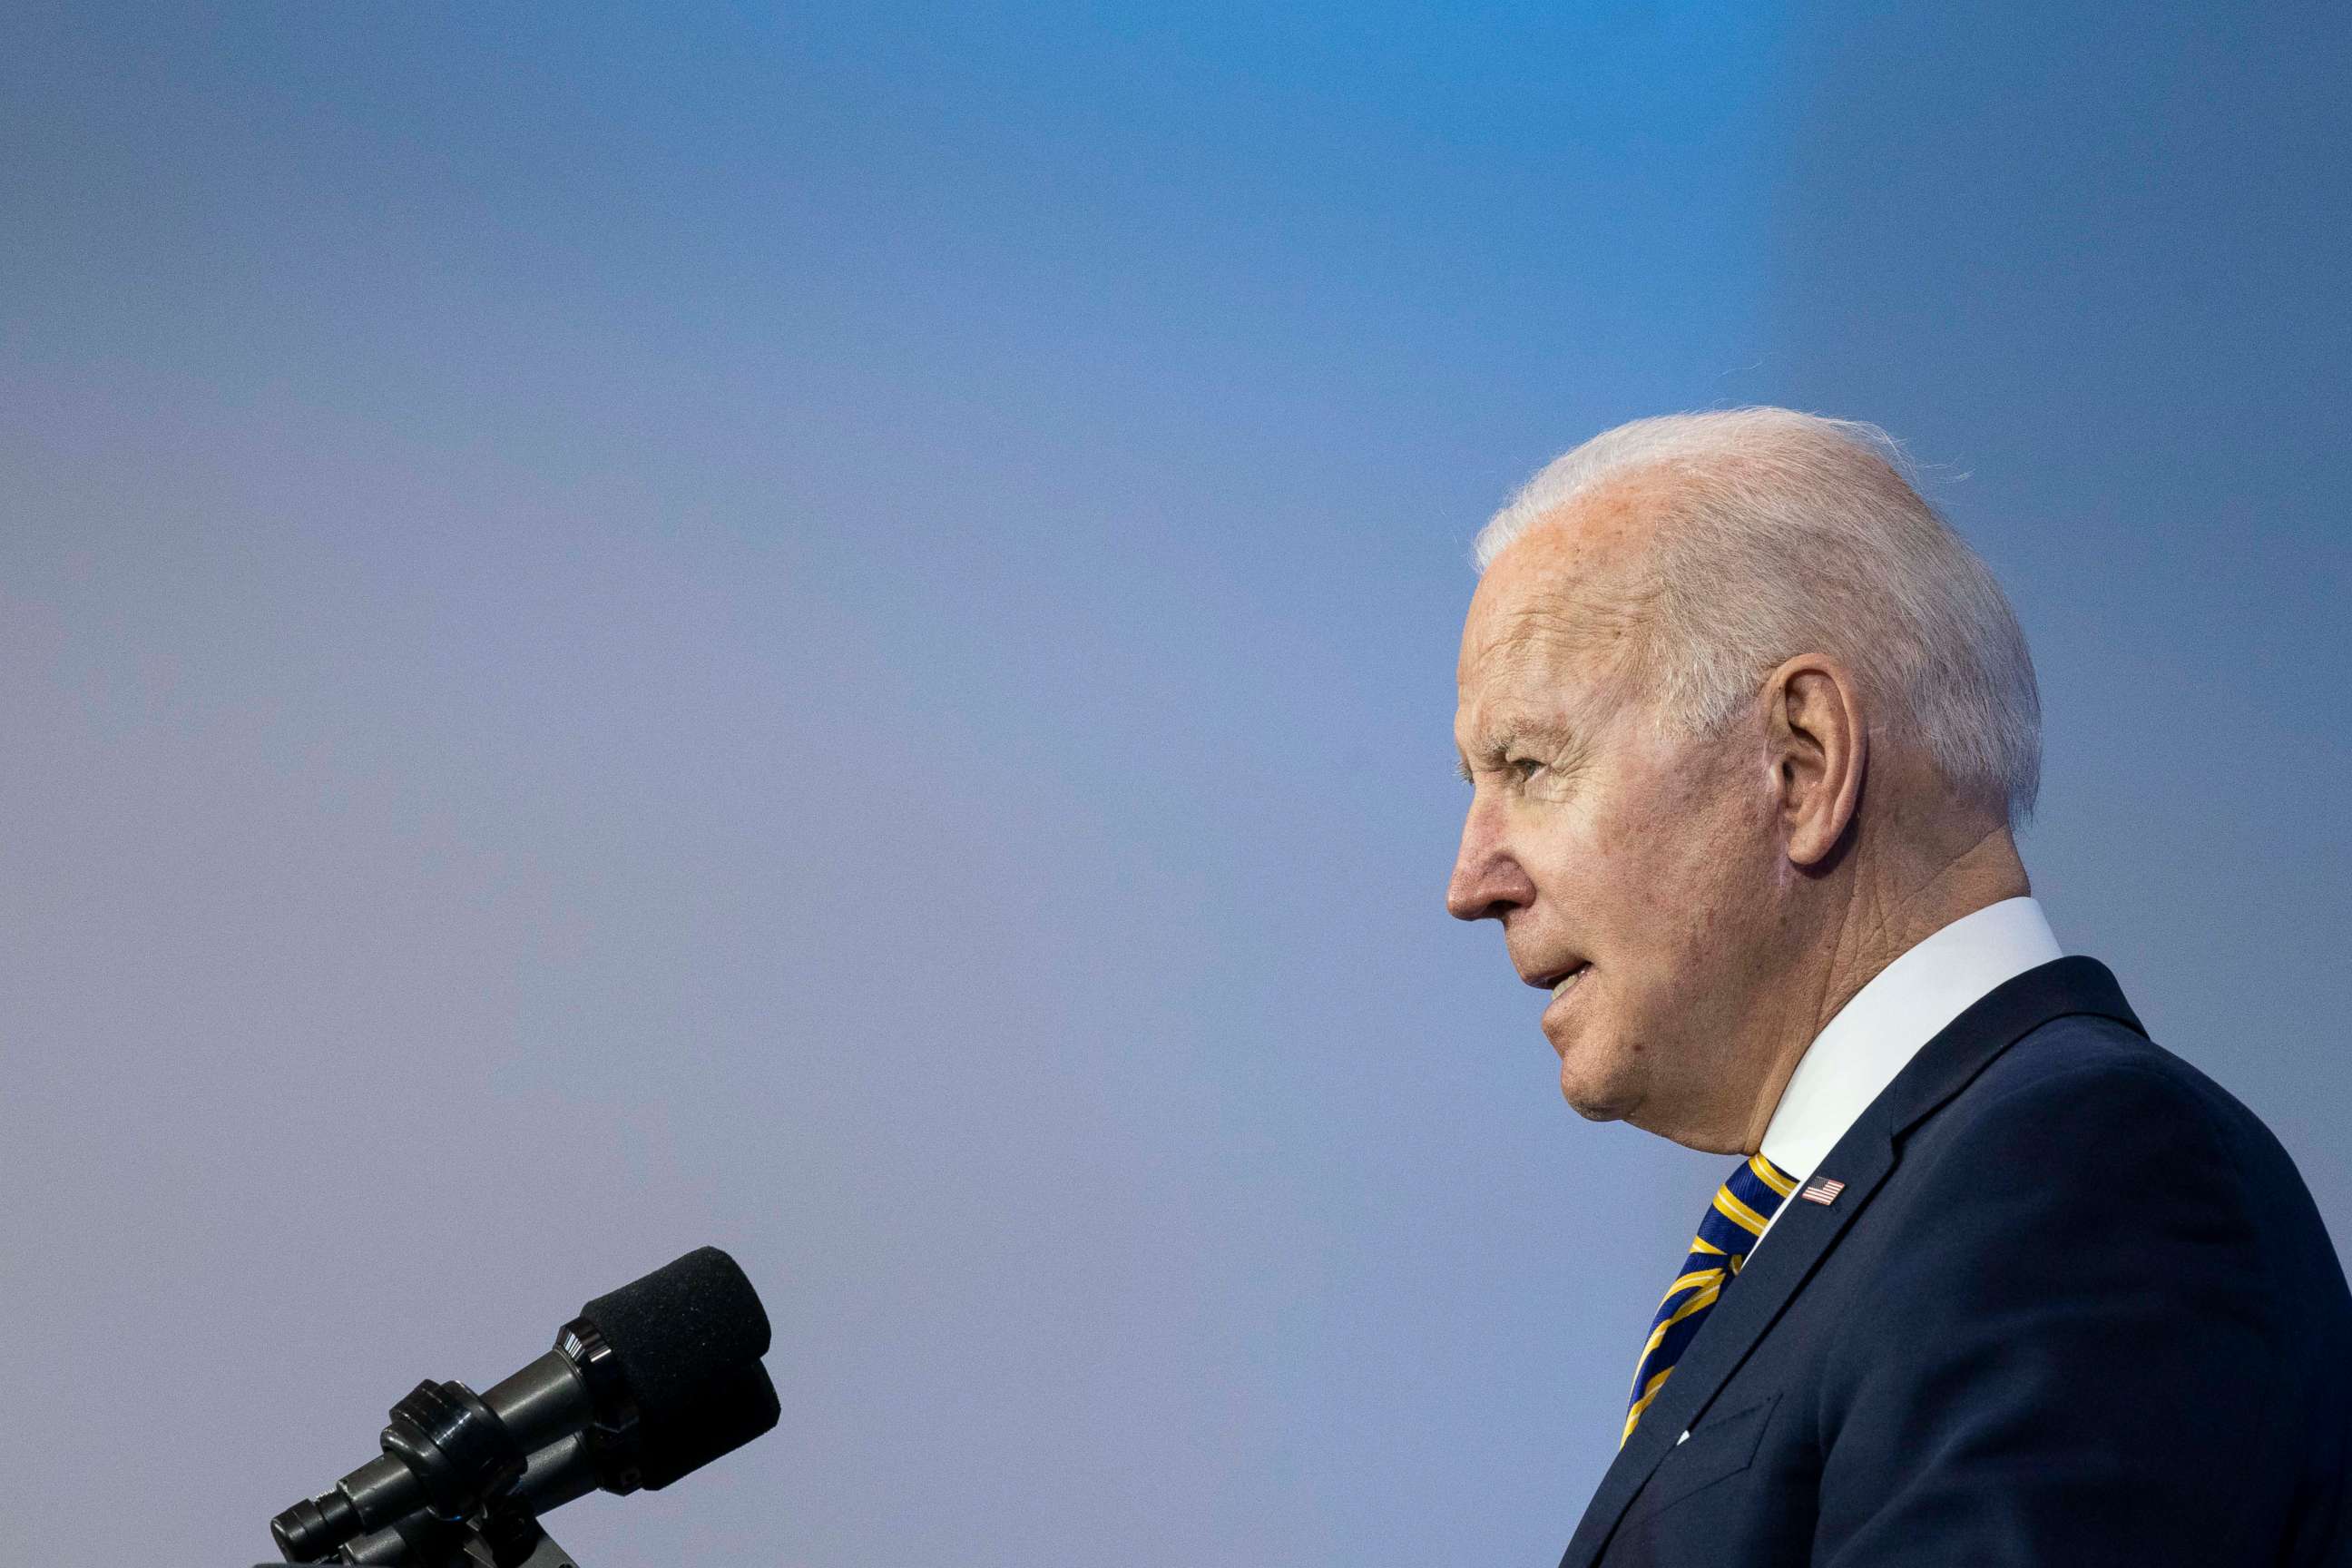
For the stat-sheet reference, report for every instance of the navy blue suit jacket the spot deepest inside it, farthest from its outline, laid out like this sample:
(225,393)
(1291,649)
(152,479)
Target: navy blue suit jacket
(2074,1306)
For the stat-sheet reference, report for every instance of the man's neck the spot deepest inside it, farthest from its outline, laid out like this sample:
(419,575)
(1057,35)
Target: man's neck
(1882,918)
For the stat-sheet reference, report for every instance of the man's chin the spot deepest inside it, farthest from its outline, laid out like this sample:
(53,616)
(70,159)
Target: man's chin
(1597,1102)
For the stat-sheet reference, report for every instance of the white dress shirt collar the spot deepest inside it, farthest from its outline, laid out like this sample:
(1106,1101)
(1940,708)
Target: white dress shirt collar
(1901,1008)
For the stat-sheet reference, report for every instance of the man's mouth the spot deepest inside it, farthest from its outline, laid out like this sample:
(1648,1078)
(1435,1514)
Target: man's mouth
(1567,983)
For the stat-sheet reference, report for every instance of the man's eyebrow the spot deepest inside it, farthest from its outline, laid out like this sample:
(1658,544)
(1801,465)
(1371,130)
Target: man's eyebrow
(1517,727)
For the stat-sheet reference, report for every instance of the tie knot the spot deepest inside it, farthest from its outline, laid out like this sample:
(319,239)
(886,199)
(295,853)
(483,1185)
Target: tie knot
(1745,1205)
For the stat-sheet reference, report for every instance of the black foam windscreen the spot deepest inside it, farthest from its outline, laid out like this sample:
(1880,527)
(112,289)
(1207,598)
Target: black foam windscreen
(688,1339)
(730,1412)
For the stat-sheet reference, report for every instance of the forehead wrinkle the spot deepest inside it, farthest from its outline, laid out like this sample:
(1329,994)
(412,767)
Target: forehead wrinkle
(1556,634)
(1545,651)
(1526,640)
(1553,686)
(1557,622)
(1567,588)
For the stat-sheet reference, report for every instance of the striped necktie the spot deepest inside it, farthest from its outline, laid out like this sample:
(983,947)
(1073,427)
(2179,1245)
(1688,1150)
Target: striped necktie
(1742,1207)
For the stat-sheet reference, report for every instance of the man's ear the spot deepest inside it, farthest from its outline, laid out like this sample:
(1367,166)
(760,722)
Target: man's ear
(1820,750)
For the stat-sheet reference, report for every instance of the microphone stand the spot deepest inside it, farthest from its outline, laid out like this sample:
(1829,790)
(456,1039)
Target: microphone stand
(495,1519)
(497,1537)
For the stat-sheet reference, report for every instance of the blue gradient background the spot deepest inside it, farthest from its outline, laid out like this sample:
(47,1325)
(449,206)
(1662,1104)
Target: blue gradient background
(832,631)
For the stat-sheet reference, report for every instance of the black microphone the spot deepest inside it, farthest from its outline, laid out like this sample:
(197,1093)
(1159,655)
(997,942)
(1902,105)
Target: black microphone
(648,1383)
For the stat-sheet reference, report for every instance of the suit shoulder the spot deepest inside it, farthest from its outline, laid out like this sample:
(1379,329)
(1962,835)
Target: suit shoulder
(2104,1072)
(2090,1096)
(2085,1101)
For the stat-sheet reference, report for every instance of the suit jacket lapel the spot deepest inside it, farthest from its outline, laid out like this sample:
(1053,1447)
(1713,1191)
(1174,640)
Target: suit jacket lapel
(1804,1232)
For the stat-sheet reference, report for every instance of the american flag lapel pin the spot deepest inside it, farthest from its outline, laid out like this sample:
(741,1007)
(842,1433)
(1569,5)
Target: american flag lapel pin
(1823,1192)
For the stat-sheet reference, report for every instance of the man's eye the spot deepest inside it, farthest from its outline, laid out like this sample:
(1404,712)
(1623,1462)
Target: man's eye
(1525,767)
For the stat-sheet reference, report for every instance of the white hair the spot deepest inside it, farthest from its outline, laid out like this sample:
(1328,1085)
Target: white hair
(1794,533)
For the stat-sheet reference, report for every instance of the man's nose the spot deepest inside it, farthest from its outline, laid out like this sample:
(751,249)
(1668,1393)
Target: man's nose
(1487,880)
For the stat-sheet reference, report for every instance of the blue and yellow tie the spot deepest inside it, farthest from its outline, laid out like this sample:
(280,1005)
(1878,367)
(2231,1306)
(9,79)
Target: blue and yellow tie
(1742,1207)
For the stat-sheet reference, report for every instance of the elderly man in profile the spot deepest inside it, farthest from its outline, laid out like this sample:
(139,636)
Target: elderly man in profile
(1996,1280)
